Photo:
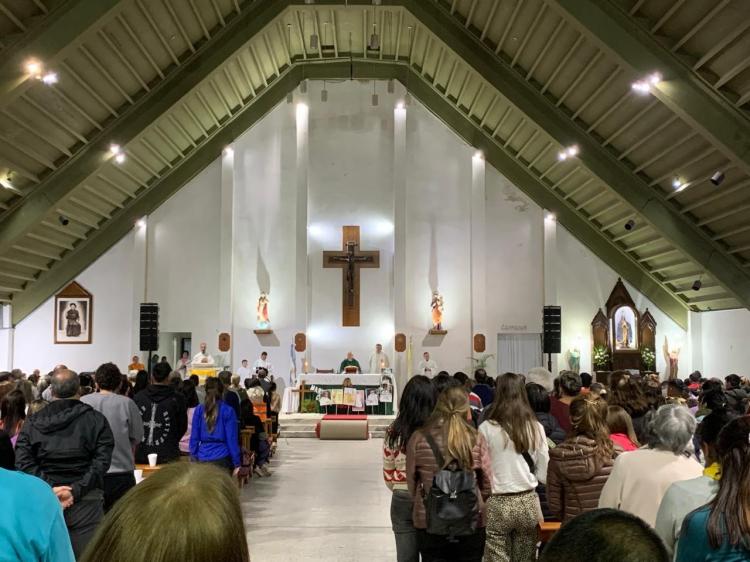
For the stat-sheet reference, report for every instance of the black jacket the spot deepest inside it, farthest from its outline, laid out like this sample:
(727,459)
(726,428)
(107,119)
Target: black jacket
(737,399)
(67,443)
(551,426)
(164,413)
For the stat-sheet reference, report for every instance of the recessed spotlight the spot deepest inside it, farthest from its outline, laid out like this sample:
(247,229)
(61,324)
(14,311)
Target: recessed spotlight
(120,158)
(33,68)
(717,178)
(697,285)
(63,220)
(644,86)
(630,225)
(50,78)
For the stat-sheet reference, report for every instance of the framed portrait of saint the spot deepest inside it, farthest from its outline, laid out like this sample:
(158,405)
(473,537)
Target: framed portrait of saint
(625,329)
(73,315)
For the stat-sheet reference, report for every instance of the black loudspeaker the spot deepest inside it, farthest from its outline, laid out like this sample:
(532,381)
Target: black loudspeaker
(149,326)
(551,333)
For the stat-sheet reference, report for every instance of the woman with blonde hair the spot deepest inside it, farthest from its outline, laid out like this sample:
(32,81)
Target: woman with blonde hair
(448,442)
(580,466)
(519,453)
(149,522)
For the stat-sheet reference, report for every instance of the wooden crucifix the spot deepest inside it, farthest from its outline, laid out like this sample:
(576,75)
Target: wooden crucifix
(350,260)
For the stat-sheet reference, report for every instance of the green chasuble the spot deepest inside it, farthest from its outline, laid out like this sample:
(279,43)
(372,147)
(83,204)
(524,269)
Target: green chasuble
(349,363)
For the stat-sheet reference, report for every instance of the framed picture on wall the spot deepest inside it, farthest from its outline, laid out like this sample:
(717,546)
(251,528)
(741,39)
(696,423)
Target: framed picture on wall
(73,315)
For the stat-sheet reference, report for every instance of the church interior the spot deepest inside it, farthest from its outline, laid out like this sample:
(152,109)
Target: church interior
(279,221)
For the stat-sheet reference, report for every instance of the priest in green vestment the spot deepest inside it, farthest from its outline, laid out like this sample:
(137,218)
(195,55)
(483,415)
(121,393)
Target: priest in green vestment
(350,361)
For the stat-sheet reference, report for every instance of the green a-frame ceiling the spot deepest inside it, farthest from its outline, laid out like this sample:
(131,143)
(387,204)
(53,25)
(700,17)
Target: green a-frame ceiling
(174,119)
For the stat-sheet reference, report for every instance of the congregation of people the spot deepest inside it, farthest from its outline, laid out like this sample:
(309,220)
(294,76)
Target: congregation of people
(71,444)
(636,470)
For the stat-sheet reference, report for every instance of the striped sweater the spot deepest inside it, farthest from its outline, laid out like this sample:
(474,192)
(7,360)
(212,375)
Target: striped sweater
(394,467)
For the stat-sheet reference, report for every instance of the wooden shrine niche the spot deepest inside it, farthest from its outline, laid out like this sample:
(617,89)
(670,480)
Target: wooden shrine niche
(623,332)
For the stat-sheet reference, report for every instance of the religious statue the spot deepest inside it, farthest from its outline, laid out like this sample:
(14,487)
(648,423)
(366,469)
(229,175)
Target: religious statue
(264,322)
(437,310)
(672,357)
(624,334)
(72,321)
(574,360)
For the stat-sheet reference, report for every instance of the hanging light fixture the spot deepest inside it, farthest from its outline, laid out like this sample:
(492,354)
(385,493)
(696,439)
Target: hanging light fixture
(324,93)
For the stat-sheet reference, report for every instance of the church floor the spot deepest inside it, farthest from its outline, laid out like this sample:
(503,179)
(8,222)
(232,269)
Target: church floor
(325,501)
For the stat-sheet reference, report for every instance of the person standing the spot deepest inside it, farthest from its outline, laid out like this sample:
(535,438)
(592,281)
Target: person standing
(378,360)
(262,363)
(127,427)
(244,372)
(415,407)
(164,414)
(214,437)
(520,454)
(69,445)
(350,361)
(203,358)
(427,367)
(136,364)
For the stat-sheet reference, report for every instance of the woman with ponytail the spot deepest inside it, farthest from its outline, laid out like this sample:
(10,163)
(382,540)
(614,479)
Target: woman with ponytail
(214,437)
(720,530)
(580,466)
(461,448)
(519,452)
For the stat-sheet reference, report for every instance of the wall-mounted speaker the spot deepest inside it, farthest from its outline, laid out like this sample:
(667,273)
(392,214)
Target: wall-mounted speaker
(149,326)
(300,342)
(225,342)
(551,329)
(480,343)
(400,343)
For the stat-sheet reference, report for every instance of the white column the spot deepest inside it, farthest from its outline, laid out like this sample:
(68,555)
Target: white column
(402,370)
(478,255)
(6,338)
(139,267)
(226,242)
(550,280)
(695,342)
(302,300)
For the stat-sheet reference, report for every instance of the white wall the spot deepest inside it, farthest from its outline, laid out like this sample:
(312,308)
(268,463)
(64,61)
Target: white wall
(109,280)
(725,348)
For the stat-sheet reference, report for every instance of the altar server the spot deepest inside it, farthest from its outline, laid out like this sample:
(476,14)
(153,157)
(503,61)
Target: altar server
(378,360)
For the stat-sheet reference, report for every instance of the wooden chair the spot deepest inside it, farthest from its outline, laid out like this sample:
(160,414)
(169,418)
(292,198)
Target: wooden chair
(547,529)
(246,436)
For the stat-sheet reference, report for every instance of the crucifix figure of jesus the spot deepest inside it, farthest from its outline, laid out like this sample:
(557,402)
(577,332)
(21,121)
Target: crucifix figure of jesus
(350,260)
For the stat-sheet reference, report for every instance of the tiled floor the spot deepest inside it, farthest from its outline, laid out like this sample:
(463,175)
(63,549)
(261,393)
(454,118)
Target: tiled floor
(325,501)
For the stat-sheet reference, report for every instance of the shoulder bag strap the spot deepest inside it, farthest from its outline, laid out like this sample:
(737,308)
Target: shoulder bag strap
(527,457)
(435,449)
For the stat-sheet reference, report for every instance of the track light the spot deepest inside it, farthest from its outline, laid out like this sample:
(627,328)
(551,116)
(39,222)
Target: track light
(63,220)
(630,225)
(644,86)
(697,285)
(717,178)
(570,152)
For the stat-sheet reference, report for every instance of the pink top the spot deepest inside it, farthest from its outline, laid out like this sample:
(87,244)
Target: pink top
(185,441)
(623,441)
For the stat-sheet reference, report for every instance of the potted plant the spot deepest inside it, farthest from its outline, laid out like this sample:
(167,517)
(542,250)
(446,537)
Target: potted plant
(601,358)
(649,359)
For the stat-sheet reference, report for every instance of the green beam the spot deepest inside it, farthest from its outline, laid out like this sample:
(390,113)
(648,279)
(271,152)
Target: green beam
(682,90)
(88,251)
(61,27)
(648,202)
(136,118)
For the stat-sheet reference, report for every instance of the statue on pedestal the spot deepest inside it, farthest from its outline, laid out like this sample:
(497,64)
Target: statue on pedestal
(672,357)
(437,311)
(264,322)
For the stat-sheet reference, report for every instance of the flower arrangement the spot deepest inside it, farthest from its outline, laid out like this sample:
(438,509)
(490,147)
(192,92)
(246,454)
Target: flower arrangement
(601,357)
(649,358)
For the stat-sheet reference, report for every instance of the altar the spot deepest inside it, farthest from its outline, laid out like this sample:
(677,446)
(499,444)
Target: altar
(366,381)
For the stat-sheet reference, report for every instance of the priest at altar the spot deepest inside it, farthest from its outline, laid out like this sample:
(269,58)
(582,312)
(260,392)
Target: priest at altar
(350,361)
(427,367)
(378,360)
(203,359)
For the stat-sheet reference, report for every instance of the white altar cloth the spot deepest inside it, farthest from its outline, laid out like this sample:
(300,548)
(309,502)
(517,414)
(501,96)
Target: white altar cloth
(290,399)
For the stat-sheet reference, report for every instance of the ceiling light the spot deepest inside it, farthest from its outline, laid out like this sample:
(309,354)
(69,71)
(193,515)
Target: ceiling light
(478,155)
(630,225)
(290,98)
(115,149)
(400,106)
(550,217)
(324,95)
(374,43)
(120,158)
(678,184)
(63,220)
(140,223)
(644,85)
(34,68)
(697,285)
(303,87)
(569,152)
(717,178)
(391,86)
(375,100)
(50,78)
(228,151)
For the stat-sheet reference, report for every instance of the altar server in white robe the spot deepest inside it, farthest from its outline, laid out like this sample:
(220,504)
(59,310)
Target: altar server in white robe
(378,360)
(427,366)
(244,372)
(263,363)
(203,359)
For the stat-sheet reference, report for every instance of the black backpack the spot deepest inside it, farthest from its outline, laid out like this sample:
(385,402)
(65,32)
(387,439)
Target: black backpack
(451,504)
